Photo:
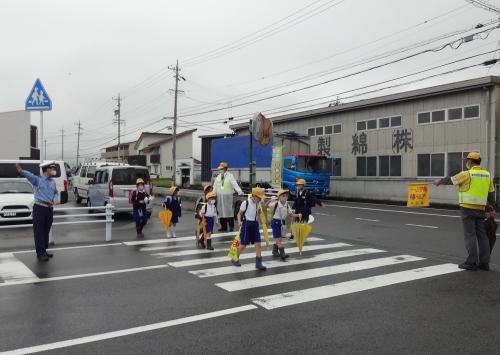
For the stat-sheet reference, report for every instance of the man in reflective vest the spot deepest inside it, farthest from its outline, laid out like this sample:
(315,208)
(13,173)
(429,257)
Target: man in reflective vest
(224,187)
(476,190)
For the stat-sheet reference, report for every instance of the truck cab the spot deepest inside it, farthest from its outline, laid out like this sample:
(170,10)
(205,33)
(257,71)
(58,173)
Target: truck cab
(314,169)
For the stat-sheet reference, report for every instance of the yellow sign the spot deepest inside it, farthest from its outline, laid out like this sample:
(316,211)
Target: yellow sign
(418,195)
(276,167)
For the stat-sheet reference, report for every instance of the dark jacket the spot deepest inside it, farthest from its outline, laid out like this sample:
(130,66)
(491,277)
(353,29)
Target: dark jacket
(136,197)
(304,202)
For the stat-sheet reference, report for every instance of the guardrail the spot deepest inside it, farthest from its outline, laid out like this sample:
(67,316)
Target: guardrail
(108,213)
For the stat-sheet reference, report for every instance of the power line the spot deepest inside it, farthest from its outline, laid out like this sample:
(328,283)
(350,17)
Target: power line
(118,121)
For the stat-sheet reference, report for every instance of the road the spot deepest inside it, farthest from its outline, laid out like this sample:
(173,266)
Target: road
(371,279)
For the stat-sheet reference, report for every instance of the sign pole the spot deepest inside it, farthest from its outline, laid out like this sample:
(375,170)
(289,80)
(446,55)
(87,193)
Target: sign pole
(42,146)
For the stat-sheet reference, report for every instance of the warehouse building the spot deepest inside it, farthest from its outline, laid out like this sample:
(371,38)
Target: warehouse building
(379,145)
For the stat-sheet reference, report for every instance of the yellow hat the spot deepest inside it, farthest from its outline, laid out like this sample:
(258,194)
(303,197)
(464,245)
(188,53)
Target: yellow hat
(282,192)
(222,165)
(139,181)
(206,188)
(211,195)
(173,189)
(474,156)
(300,182)
(259,192)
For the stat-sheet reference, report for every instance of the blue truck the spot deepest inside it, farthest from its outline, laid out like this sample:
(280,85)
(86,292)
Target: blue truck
(297,162)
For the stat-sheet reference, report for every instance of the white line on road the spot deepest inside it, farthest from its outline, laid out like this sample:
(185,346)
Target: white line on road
(78,276)
(395,211)
(348,287)
(226,270)
(12,270)
(179,239)
(203,261)
(421,226)
(324,214)
(70,248)
(368,220)
(129,331)
(293,276)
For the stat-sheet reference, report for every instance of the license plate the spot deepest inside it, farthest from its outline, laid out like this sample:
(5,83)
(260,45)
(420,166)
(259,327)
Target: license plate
(9,214)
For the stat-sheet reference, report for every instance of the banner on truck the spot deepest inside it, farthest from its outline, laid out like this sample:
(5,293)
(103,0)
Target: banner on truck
(276,167)
(418,195)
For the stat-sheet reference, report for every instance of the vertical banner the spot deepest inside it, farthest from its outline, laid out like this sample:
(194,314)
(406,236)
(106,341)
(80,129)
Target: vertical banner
(276,167)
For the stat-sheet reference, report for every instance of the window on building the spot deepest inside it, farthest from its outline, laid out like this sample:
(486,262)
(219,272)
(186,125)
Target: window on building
(319,131)
(431,165)
(455,114)
(371,166)
(336,167)
(424,117)
(328,130)
(384,122)
(455,163)
(337,129)
(361,125)
(361,166)
(395,165)
(471,112)
(396,121)
(383,165)
(438,116)
(311,132)
(371,124)
(389,165)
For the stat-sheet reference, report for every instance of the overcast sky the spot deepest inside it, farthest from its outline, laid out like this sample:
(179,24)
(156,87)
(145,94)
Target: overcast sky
(230,52)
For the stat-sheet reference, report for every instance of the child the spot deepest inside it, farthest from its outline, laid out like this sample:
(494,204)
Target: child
(202,200)
(174,204)
(209,213)
(281,210)
(304,202)
(249,226)
(139,198)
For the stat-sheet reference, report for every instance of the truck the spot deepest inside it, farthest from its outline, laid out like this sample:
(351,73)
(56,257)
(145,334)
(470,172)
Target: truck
(297,161)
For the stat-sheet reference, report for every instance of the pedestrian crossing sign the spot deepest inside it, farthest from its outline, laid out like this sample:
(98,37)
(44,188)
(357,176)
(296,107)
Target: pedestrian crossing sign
(38,99)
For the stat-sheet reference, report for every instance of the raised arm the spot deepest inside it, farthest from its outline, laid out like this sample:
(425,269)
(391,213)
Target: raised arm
(33,179)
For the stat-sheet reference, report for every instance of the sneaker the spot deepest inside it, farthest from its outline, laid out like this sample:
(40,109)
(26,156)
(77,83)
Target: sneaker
(236,263)
(485,267)
(42,257)
(469,267)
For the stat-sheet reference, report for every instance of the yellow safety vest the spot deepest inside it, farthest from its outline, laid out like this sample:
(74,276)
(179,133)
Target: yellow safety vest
(226,186)
(479,186)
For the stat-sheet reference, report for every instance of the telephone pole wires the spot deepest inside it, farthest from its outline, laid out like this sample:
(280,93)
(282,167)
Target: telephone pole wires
(177,77)
(117,120)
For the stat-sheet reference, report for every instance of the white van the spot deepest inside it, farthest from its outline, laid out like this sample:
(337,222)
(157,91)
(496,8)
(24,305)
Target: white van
(63,172)
(84,175)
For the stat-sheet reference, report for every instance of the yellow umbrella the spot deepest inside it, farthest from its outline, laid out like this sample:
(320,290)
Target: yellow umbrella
(264,226)
(235,245)
(300,232)
(165,218)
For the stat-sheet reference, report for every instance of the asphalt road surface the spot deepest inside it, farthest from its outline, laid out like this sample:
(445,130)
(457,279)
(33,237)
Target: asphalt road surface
(371,279)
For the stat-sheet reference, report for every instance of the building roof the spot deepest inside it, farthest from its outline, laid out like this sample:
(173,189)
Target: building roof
(218,135)
(386,99)
(160,142)
(149,134)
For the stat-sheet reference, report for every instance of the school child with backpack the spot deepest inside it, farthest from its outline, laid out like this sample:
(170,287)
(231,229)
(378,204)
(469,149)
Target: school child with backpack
(200,202)
(174,204)
(210,214)
(139,198)
(280,211)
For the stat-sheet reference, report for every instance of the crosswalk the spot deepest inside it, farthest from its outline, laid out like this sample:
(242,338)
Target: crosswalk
(321,260)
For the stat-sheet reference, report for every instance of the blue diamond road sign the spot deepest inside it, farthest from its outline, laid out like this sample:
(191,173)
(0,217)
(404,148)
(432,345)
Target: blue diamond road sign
(38,99)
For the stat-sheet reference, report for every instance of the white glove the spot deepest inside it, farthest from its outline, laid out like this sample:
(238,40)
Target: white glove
(146,199)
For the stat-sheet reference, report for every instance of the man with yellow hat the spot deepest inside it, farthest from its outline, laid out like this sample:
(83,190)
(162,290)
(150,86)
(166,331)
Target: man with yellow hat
(224,187)
(174,204)
(476,191)
(281,210)
(249,226)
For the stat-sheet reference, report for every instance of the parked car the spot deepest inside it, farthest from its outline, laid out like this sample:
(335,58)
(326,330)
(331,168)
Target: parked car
(16,199)
(84,175)
(8,170)
(113,184)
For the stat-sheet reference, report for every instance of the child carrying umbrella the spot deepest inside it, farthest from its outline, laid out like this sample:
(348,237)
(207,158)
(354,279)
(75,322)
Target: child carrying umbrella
(139,198)
(174,204)
(281,210)
(202,200)
(304,202)
(209,215)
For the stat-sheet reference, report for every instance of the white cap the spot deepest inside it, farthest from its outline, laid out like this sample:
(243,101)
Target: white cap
(47,164)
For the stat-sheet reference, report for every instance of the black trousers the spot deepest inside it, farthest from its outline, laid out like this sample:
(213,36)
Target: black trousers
(224,222)
(42,222)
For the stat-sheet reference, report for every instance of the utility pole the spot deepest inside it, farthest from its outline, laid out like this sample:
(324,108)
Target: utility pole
(62,144)
(45,150)
(174,136)
(118,121)
(78,142)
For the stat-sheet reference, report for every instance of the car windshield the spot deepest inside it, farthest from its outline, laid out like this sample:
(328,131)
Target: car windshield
(313,165)
(128,176)
(15,187)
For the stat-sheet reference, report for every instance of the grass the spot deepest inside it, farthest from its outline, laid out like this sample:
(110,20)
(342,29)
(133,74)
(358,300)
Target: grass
(165,182)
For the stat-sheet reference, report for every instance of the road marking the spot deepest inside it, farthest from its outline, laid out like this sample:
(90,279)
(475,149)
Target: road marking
(293,276)
(70,248)
(395,211)
(12,270)
(368,220)
(202,261)
(421,226)
(226,270)
(348,287)
(78,276)
(324,214)
(130,331)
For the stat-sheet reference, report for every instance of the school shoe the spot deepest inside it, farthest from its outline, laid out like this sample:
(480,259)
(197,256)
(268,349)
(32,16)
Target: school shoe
(50,255)
(484,267)
(283,255)
(276,252)
(469,267)
(236,262)
(209,244)
(201,243)
(258,263)
(43,257)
